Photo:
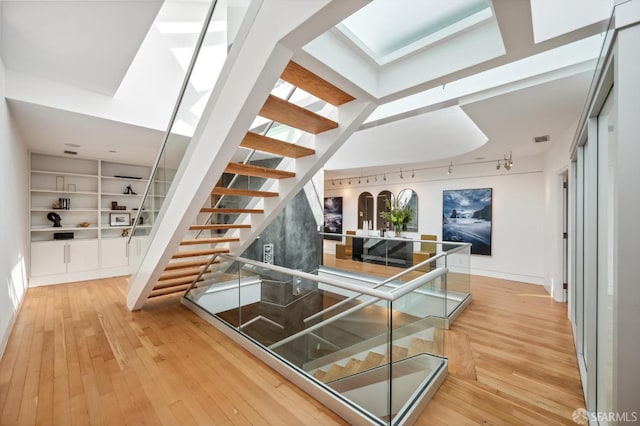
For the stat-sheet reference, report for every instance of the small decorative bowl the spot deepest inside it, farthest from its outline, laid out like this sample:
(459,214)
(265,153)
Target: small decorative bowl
(84,224)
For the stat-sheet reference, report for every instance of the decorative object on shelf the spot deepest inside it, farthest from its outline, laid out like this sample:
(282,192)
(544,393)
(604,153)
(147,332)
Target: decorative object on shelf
(466,217)
(333,218)
(119,219)
(60,183)
(63,235)
(84,224)
(129,190)
(63,203)
(56,205)
(398,214)
(115,206)
(125,232)
(71,187)
(55,218)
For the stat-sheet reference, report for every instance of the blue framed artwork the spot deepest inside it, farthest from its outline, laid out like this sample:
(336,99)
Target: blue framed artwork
(467,218)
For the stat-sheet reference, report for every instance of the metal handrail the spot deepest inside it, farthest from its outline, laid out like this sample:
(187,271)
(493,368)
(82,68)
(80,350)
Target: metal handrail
(451,243)
(385,282)
(395,294)
(174,113)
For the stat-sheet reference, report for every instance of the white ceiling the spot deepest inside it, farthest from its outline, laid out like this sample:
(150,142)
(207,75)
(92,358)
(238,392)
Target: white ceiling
(50,130)
(509,120)
(86,44)
(426,137)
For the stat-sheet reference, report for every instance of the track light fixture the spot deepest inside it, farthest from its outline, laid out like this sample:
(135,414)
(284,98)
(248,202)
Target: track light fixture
(506,161)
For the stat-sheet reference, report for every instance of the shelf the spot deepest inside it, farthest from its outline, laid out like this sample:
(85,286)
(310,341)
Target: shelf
(120,211)
(48,191)
(51,209)
(63,228)
(115,194)
(106,227)
(47,172)
(132,179)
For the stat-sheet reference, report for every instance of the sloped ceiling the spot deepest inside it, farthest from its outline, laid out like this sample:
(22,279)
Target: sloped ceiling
(87,44)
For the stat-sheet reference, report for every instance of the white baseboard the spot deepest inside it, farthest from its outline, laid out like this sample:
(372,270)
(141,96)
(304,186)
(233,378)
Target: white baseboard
(79,276)
(529,279)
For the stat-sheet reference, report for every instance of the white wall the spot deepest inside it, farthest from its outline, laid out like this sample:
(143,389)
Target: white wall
(14,168)
(518,211)
(556,163)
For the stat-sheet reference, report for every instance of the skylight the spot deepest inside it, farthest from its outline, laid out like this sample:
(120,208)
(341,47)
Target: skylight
(386,32)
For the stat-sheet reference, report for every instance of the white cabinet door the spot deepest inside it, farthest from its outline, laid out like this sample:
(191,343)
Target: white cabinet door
(48,258)
(82,256)
(113,252)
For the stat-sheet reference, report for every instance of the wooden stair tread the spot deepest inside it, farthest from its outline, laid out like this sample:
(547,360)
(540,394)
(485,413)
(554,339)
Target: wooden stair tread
(397,352)
(320,374)
(218,240)
(352,367)
(257,171)
(284,112)
(188,279)
(274,146)
(219,190)
(334,372)
(194,253)
(169,290)
(188,264)
(312,83)
(217,210)
(176,273)
(419,346)
(373,359)
(217,226)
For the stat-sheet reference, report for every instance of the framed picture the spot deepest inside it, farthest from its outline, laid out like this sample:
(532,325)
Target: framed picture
(333,218)
(119,219)
(466,217)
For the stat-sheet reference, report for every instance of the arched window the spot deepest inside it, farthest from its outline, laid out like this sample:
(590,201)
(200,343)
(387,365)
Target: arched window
(365,208)
(409,196)
(384,200)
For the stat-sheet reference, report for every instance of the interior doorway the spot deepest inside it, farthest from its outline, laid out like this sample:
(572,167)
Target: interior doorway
(565,236)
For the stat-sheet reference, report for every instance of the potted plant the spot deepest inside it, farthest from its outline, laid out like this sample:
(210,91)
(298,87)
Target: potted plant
(398,215)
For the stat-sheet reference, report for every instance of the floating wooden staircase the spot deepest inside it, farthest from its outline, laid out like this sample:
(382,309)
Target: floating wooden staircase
(178,276)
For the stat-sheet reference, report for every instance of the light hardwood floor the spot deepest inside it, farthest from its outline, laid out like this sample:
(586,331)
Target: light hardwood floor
(78,356)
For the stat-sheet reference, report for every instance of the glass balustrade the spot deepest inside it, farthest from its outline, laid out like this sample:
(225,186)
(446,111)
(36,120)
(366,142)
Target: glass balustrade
(219,29)
(377,344)
(376,258)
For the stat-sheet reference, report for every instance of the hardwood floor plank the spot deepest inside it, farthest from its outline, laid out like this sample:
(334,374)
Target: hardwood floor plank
(78,356)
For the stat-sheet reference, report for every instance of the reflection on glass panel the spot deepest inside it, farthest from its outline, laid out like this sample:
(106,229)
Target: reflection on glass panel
(383,204)
(409,197)
(365,210)
(606,158)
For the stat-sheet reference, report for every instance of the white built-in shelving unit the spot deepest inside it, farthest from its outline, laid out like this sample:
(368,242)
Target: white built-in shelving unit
(100,248)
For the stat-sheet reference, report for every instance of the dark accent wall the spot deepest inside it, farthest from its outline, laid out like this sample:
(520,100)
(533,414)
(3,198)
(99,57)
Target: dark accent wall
(294,235)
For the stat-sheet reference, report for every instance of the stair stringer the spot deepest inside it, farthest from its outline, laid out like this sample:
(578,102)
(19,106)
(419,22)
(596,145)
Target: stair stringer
(255,63)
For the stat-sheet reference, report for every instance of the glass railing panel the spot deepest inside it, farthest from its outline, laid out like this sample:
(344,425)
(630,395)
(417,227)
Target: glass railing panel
(381,258)
(417,335)
(458,263)
(210,52)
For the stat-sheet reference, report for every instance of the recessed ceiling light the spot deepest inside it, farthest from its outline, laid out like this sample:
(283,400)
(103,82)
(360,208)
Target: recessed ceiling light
(538,139)
(66,151)
(73,145)
(111,150)
(479,158)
